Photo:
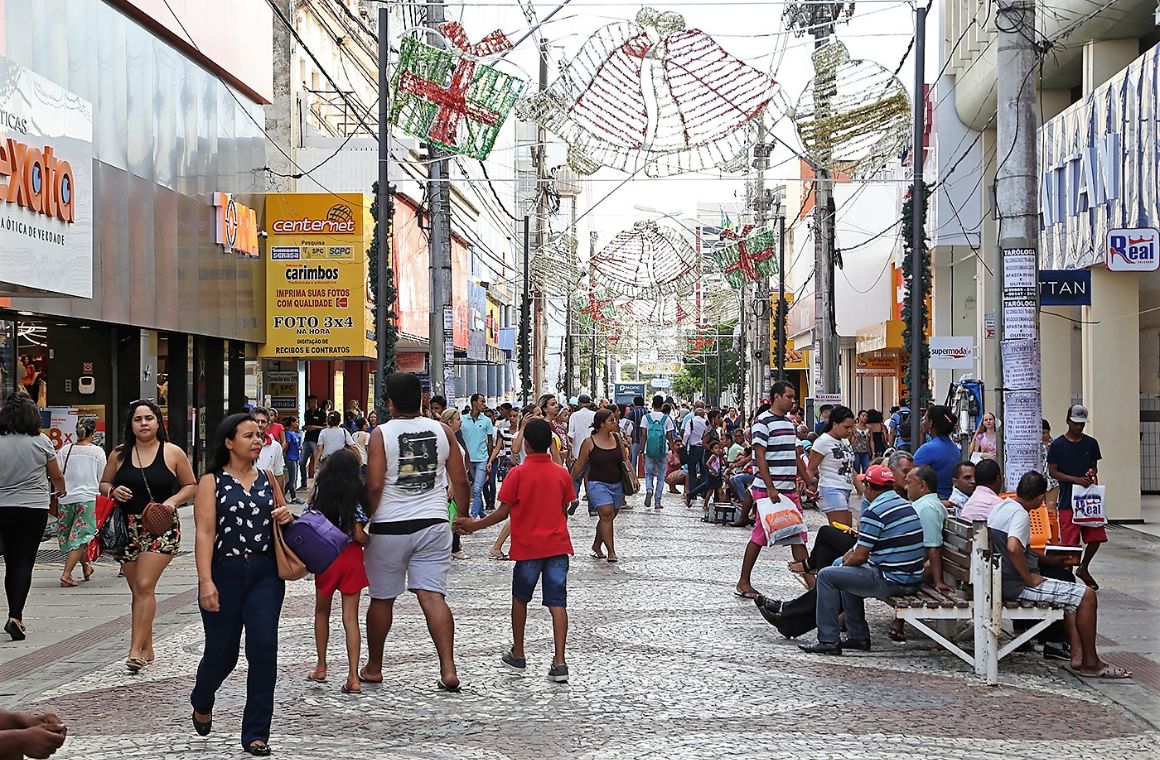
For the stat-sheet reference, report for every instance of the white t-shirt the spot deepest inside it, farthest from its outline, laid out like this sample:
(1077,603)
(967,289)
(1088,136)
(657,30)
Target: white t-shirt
(1011,518)
(836,469)
(333,439)
(580,427)
(361,439)
(82,473)
(271,457)
(416,478)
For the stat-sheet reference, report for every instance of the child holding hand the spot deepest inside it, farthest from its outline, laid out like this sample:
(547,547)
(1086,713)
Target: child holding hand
(536,495)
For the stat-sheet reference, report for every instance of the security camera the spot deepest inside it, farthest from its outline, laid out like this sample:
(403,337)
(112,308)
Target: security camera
(263,234)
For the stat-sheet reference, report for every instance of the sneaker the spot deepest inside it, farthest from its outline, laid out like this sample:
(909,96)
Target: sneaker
(516,663)
(647,500)
(1057,652)
(559,673)
(862,645)
(821,647)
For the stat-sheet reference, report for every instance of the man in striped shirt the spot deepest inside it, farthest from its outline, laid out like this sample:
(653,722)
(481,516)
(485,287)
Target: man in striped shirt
(777,452)
(886,561)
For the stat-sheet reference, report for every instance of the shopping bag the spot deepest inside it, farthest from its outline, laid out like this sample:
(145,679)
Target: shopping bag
(104,508)
(780,519)
(1087,506)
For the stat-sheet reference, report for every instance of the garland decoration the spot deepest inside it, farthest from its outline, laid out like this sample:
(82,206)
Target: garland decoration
(751,257)
(923,385)
(450,99)
(390,361)
(864,120)
(651,95)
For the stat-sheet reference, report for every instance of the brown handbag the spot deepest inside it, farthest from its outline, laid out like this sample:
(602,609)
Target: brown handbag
(290,567)
(157,519)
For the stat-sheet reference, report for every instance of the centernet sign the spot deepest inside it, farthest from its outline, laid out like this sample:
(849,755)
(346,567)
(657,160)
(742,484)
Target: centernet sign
(339,221)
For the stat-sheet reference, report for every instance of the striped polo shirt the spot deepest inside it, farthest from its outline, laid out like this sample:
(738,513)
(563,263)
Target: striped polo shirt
(776,434)
(891,530)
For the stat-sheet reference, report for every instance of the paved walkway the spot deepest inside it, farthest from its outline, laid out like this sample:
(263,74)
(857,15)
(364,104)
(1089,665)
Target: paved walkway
(665,662)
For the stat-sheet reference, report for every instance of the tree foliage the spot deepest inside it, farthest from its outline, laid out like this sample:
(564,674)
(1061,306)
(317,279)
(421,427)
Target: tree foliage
(919,398)
(390,361)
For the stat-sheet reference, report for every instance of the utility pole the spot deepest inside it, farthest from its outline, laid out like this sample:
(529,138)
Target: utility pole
(917,295)
(761,383)
(819,19)
(385,209)
(591,286)
(441,324)
(782,312)
(1019,401)
(526,321)
(540,337)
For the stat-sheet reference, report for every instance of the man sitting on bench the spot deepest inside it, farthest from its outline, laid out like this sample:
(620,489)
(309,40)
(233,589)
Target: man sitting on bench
(886,561)
(1010,527)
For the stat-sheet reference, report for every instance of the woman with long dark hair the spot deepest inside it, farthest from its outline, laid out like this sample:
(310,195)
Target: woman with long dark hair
(603,453)
(237,577)
(863,449)
(832,465)
(877,425)
(27,465)
(146,469)
(940,452)
(338,494)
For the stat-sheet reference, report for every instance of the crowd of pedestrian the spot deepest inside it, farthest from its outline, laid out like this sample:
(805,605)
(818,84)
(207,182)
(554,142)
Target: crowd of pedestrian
(405,490)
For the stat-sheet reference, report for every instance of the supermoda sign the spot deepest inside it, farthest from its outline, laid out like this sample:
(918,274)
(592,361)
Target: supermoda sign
(46,152)
(952,352)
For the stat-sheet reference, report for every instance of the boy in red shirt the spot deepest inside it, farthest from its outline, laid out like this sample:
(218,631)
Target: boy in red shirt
(536,495)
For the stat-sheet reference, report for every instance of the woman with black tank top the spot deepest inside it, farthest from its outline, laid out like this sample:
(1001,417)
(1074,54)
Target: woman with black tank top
(146,468)
(602,453)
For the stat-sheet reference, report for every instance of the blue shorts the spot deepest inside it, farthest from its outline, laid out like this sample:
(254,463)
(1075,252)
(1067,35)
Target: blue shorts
(833,499)
(554,570)
(601,494)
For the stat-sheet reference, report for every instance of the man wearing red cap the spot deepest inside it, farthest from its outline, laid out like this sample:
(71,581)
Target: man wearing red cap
(886,561)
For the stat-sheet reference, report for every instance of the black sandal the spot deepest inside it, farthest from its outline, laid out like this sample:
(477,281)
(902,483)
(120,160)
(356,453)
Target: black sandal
(259,748)
(15,630)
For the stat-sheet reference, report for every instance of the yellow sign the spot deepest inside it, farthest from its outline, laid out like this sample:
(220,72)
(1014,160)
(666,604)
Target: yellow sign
(317,305)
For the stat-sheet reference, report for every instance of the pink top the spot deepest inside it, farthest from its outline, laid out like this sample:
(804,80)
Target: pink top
(979,506)
(985,444)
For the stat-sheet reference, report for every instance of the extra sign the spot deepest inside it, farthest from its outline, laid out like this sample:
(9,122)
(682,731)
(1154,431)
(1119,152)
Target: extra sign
(1133,250)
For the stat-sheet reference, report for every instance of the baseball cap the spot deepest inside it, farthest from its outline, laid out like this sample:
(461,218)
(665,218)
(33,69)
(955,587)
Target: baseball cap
(1078,414)
(584,399)
(879,475)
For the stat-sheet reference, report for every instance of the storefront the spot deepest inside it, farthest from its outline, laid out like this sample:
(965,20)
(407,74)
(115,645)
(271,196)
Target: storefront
(123,291)
(878,366)
(1100,210)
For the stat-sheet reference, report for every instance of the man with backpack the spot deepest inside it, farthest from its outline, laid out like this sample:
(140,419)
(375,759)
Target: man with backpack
(635,414)
(900,428)
(654,434)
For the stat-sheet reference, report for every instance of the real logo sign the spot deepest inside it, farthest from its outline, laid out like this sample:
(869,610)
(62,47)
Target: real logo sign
(1133,250)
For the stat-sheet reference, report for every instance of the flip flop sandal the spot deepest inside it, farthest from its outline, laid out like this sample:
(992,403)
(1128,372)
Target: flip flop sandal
(316,678)
(613,560)
(745,594)
(364,679)
(135,664)
(346,689)
(444,686)
(594,555)
(1108,671)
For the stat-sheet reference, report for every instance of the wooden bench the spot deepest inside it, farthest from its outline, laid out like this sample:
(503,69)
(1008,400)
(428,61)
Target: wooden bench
(972,569)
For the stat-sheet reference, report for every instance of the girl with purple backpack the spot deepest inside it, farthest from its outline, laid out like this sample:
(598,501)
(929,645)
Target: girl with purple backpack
(338,492)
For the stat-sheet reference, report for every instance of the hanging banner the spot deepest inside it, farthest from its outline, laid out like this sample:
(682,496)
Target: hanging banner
(317,300)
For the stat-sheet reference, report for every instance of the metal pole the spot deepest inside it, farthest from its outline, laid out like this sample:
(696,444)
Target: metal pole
(525,320)
(385,210)
(1016,196)
(781,301)
(917,295)
(439,250)
(591,284)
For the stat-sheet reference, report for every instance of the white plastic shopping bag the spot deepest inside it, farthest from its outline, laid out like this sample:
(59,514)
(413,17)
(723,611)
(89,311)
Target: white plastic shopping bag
(780,519)
(1087,506)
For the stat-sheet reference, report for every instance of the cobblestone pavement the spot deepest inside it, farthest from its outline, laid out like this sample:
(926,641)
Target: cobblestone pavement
(665,663)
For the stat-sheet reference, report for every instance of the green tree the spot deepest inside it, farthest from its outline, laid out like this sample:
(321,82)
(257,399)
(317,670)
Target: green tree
(627,372)
(685,384)
(692,376)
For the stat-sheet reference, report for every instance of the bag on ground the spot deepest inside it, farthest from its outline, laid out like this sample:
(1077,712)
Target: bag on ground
(315,540)
(780,519)
(1087,506)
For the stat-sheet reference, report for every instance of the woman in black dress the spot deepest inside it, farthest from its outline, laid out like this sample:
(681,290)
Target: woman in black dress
(146,468)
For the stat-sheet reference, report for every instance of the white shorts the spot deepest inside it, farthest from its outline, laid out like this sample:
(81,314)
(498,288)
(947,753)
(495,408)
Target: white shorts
(1060,593)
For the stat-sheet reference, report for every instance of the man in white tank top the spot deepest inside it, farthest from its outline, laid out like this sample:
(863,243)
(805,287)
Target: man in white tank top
(411,462)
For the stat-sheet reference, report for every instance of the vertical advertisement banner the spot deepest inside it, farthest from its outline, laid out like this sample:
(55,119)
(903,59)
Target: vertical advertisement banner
(317,300)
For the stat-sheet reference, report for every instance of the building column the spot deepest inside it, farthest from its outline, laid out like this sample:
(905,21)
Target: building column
(1056,326)
(177,367)
(987,269)
(1111,342)
(236,372)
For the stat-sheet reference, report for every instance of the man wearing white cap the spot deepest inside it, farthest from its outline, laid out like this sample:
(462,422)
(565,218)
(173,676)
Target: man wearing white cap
(1072,459)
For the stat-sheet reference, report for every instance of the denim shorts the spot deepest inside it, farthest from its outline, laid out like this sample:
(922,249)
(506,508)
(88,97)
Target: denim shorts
(602,494)
(554,571)
(833,499)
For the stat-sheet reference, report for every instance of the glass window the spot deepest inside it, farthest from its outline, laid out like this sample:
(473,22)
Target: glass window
(7,357)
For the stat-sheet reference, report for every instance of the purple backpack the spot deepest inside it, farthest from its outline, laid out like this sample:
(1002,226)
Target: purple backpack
(315,539)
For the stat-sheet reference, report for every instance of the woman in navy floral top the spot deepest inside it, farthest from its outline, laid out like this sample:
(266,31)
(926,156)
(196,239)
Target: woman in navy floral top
(238,584)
